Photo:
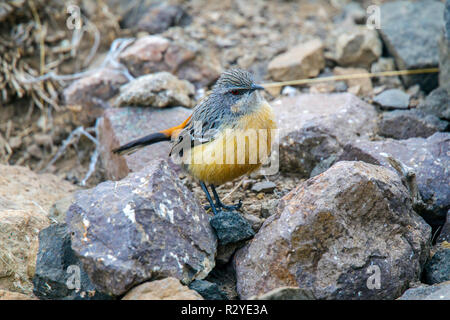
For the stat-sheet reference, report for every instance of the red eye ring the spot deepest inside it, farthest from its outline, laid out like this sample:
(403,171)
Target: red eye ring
(234,92)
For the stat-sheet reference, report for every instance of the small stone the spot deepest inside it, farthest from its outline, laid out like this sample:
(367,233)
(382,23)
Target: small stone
(405,124)
(165,289)
(444,235)
(57,267)
(254,221)
(230,227)
(437,270)
(437,103)
(87,96)
(160,17)
(392,99)
(264,186)
(160,90)
(208,290)
(303,61)
(358,47)
(383,65)
(410,32)
(439,291)
(363,86)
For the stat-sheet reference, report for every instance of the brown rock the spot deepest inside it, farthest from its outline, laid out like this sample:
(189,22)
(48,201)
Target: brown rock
(119,126)
(154,53)
(25,201)
(165,289)
(314,127)
(87,96)
(428,158)
(333,232)
(8,295)
(358,47)
(303,61)
(160,89)
(361,86)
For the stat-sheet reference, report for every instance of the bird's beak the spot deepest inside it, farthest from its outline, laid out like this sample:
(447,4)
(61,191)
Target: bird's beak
(257,87)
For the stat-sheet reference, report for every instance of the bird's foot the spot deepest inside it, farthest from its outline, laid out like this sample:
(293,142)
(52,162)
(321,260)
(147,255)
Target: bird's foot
(220,205)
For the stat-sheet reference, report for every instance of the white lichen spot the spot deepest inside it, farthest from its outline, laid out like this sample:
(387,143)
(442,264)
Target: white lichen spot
(165,212)
(129,213)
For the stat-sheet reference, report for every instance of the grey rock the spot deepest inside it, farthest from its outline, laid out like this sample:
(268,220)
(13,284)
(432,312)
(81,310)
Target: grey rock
(314,127)
(323,166)
(410,31)
(405,124)
(121,125)
(392,99)
(444,51)
(430,160)
(160,89)
(208,290)
(439,291)
(160,17)
(230,227)
(57,269)
(264,186)
(332,232)
(437,103)
(144,227)
(444,235)
(437,270)
(286,293)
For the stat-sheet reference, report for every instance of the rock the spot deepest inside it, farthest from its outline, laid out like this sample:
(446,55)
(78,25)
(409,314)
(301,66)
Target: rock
(122,125)
(439,291)
(152,54)
(59,273)
(286,293)
(361,87)
(166,289)
(437,270)
(25,202)
(60,207)
(314,127)
(264,186)
(405,124)
(303,61)
(384,65)
(230,227)
(437,103)
(225,277)
(392,99)
(208,290)
(410,31)
(8,295)
(88,96)
(160,17)
(444,235)
(358,47)
(143,227)
(429,158)
(160,89)
(349,233)
(444,51)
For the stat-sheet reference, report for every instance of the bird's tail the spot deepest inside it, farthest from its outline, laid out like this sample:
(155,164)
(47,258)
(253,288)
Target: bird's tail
(164,135)
(137,144)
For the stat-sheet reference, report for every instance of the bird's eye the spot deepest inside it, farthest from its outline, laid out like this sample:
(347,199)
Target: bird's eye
(234,92)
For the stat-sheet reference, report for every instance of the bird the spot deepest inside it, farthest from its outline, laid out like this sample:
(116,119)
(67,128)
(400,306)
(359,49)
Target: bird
(228,134)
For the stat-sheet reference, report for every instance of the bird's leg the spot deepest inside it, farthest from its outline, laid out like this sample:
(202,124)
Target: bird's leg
(221,205)
(208,196)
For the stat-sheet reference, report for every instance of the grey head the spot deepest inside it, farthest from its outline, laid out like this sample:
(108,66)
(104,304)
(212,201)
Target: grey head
(236,91)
